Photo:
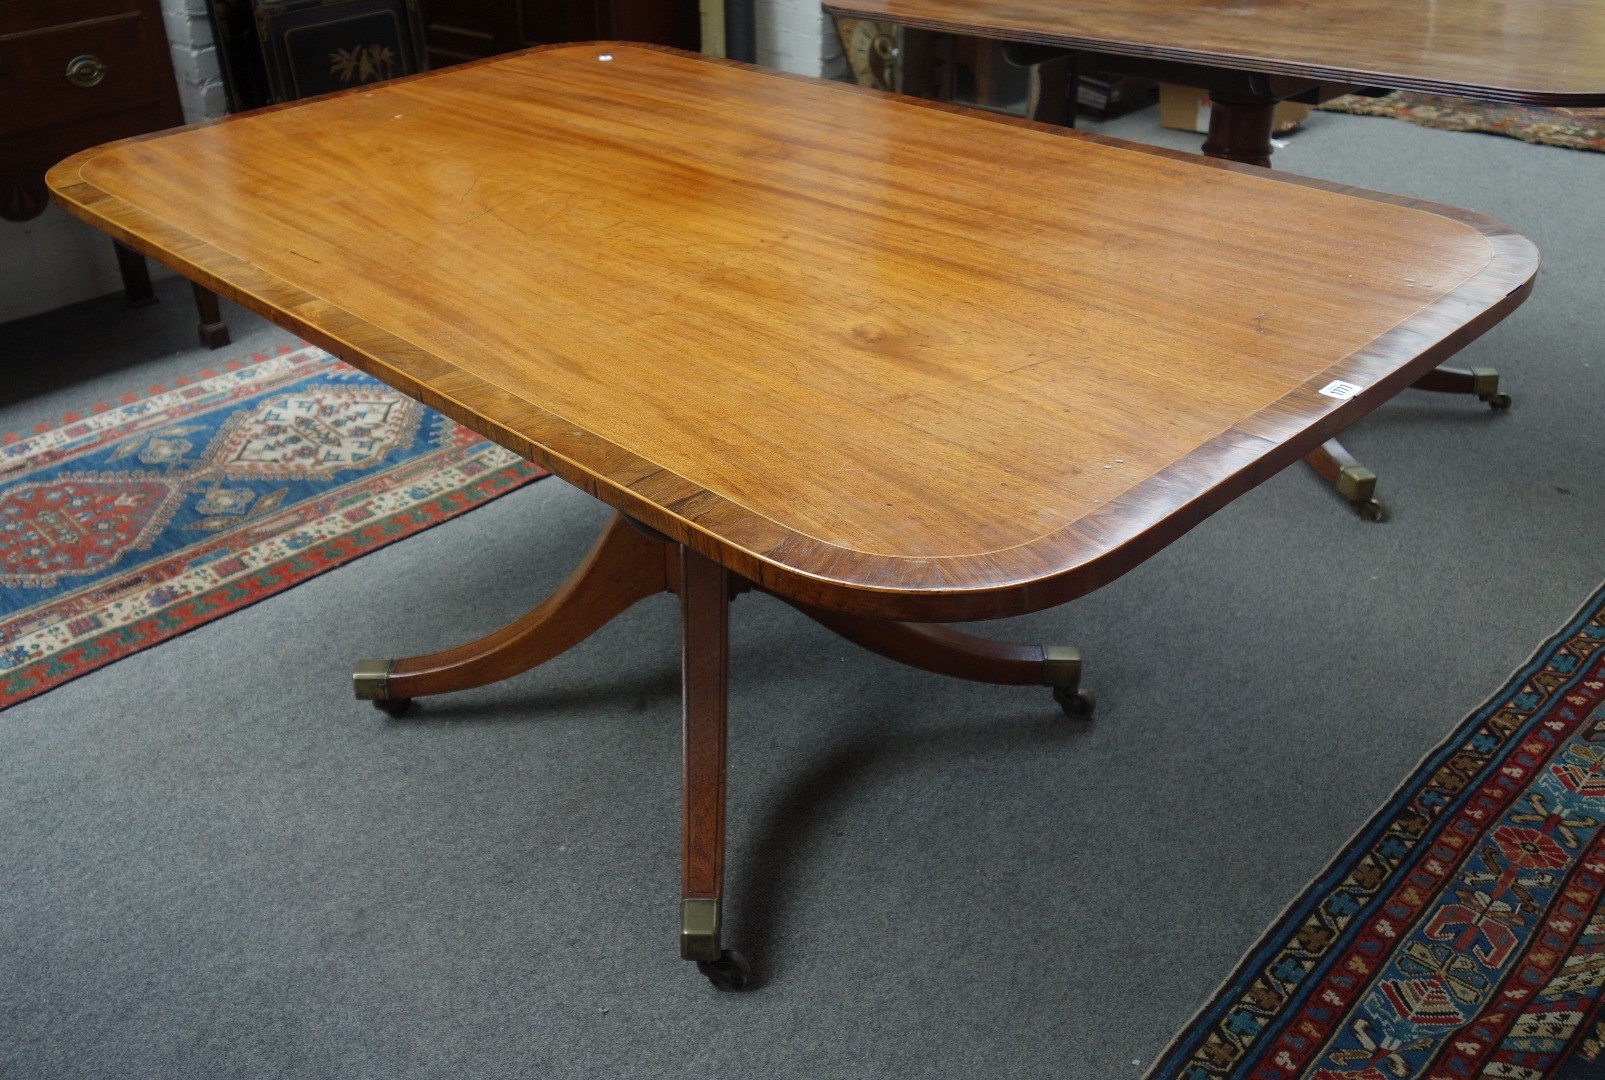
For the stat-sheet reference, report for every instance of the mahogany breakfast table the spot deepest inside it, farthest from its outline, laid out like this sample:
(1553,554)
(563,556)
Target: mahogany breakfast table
(966,368)
(1252,54)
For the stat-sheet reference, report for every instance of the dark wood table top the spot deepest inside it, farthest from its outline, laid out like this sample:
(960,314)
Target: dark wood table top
(876,354)
(1539,52)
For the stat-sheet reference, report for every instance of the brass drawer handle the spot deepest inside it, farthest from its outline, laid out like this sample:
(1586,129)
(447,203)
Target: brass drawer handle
(86,71)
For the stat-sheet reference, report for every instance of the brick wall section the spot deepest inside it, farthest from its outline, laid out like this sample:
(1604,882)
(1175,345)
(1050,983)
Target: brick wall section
(795,35)
(200,82)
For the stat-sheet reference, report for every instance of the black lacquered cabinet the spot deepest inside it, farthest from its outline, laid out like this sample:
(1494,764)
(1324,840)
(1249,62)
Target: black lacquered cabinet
(459,30)
(273,51)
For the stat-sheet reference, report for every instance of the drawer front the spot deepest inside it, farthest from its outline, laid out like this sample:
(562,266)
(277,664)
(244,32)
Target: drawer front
(120,64)
(25,16)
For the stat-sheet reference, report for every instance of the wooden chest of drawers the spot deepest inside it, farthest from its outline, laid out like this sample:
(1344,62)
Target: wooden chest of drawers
(74,73)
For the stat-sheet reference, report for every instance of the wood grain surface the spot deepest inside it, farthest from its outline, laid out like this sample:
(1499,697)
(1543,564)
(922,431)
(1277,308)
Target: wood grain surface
(875,354)
(1538,52)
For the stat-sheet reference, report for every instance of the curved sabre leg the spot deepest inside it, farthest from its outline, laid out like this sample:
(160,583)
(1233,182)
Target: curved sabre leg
(623,567)
(1481,381)
(931,647)
(1352,480)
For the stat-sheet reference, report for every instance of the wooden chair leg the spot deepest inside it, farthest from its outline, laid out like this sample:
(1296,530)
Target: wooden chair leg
(623,567)
(136,276)
(704,672)
(212,329)
(1352,480)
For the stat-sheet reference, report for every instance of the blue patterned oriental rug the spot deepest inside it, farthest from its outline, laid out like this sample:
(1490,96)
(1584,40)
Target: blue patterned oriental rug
(1460,935)
(133,522)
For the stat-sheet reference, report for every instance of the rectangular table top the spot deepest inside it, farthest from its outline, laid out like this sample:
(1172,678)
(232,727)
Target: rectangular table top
(876,354)
(1538,52)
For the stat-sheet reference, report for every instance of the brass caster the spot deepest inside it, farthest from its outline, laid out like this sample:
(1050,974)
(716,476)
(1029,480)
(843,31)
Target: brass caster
(1356,483)
(1485,384)
(730,972)
(393,707)
(1077,704)
(1371,510)
(370,680)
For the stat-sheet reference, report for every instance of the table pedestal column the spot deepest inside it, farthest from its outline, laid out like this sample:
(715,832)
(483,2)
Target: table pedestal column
(628,563)
(1240,129)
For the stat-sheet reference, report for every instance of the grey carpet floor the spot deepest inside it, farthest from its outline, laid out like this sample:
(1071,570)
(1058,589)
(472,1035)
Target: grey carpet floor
(213,863)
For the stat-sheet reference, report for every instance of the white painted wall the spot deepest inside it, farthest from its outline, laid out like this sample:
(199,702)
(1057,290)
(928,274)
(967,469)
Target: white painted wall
(55,260)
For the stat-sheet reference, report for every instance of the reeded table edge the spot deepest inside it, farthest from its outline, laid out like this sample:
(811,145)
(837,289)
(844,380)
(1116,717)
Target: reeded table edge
(1053,569)
(1510,95)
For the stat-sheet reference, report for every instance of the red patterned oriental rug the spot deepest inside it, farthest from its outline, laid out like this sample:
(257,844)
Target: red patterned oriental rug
(1579,129)
(1460,935)
(133,522)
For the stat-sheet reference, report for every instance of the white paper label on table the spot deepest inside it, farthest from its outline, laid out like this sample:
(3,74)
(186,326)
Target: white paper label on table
(1341,390)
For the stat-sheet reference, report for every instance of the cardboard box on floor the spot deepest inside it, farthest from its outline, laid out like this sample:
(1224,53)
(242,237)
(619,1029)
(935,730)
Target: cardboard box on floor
(1187,109)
